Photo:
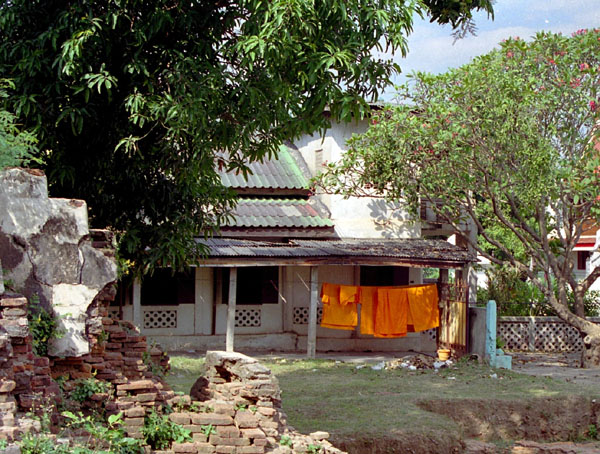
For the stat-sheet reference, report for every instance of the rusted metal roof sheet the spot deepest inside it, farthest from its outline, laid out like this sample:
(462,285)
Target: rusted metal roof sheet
(416,252)
(277,213)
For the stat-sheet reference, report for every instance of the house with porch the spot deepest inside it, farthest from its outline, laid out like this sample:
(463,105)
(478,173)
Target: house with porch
(259,287)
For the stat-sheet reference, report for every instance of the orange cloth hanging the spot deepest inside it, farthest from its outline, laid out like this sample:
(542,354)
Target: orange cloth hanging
(348,294)
(423,307)
(391,312)
(336,315)
(367,298)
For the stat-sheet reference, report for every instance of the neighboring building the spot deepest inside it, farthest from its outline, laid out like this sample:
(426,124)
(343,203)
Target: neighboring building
(283,244)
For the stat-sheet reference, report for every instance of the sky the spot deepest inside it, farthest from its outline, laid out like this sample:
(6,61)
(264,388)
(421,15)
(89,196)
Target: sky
(431,46)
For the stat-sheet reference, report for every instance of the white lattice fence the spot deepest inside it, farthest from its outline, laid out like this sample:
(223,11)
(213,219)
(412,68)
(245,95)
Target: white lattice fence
(160,318)
(546,334)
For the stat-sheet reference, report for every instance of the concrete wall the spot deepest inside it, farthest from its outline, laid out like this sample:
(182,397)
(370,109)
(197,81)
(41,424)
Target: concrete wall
(354,217)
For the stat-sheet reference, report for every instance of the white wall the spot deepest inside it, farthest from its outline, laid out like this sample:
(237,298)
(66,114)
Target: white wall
(355,217)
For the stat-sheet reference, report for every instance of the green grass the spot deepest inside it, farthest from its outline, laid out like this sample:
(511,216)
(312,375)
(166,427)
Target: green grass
(344,400)
(185,370)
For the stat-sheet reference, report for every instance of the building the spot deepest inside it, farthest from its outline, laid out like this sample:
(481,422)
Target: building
(263,275)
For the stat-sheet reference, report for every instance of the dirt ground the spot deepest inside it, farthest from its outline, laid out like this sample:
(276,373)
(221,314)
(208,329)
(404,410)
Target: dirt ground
(562,366)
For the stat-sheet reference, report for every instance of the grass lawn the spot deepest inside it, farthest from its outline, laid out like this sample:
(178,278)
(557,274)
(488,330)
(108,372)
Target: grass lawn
(344,400)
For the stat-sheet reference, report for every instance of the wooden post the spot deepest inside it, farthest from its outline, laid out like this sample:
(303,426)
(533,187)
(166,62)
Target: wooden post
(231,309)
(311,343)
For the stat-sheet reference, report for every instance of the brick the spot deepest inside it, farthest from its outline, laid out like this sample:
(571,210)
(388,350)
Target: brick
(199,437)
(187,448)
(228,431)
(221,449)
(246,420)
(205,448)
(224,409)
(135,412)
(253,433)
(133,422)
(260,442)
(136,385)
(216,440)
(180,418)
(145,397)
(14,312)
(13,301)
(7,386)
(266,411)
(251,450)
(212,418)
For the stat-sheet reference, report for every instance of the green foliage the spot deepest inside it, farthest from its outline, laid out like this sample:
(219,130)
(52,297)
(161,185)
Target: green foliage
(87,387)
(314,449)
(108,435)
(159,432)
(507,145)
(516,296)
(137,103)
(42,326)
(40,444)
(208,429)
(17,147)
(592,432)
(285,440)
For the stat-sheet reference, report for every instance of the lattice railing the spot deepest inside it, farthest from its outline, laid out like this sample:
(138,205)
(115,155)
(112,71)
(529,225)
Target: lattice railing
(113,312)
(160,318)
(300,315)
(547,334)
(247,317)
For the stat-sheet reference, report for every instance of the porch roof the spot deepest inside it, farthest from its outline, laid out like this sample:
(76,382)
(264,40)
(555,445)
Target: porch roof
(420,253)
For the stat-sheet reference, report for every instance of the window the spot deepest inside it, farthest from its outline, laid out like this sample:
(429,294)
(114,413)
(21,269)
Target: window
(165,288)
(255,285)
(383,275)
(582,257)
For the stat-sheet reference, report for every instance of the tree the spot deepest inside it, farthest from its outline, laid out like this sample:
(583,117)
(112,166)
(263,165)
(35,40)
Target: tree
(17,147)
(508,143)
(137,103)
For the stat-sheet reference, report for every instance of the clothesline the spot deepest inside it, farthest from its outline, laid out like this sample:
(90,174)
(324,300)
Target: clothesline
(387,312)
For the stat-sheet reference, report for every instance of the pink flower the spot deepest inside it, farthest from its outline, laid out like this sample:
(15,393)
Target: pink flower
(584,66)
(593,106)
(509,55)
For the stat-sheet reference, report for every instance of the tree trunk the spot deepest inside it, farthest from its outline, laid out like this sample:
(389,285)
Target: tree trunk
(590,357)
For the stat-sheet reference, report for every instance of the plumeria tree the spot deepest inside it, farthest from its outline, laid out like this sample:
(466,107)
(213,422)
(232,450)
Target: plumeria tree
(509,144)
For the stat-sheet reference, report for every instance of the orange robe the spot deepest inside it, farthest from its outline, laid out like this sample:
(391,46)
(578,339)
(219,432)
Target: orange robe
(391,312)
(335,314)
(423,307)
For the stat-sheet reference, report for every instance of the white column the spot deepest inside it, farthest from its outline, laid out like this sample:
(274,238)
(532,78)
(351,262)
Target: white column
(231,310)
(204,297)
(137,303)
(312,313)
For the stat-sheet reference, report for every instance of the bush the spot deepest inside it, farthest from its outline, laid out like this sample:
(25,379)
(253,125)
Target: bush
(159,432)
(87,387)
(42,325)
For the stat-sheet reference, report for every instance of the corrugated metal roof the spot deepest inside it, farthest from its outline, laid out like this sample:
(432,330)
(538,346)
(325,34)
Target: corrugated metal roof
(417,251)
(277,213)
(281,173)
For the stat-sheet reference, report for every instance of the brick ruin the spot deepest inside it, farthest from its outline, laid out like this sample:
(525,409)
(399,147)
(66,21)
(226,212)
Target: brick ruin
(52,256)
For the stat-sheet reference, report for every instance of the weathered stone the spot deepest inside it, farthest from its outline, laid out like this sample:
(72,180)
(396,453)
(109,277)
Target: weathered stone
(228,431)
(253,433)
(7,386)
(246,420)
(250,450)
(205,448)
(180,418)
(135,412)
(319,435)
(225,449)
(135,385)
(187,448)
(216,440)
(212,418)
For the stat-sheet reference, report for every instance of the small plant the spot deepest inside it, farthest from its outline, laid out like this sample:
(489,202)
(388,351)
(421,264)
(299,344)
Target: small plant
(500,343)
(38,444)
(109,435)
(253,409)
(3,445)
(87,387)
(195,407)
(102,337)
(285,440)
(208,430)
(241,407)
(314,449)
(592,432)
(159,432)
(42,325)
